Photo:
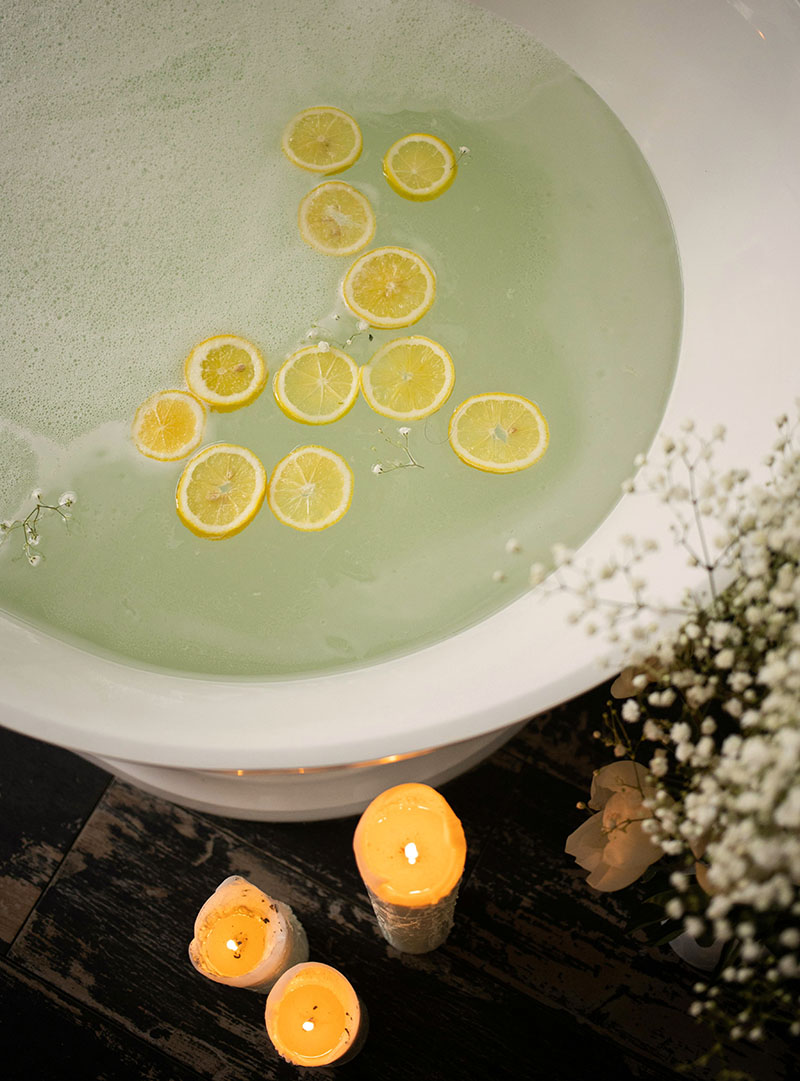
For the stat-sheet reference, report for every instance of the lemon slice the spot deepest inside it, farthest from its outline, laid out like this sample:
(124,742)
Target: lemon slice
(220,491)
(226,372)
(336,219)
(322,139)
(389,287)
(419,166)
(310,488)
(498,433)
(316,387)
(169,425)
(408,378)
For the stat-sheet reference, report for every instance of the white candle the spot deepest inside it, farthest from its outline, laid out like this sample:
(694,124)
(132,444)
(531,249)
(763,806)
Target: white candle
(314,1017)
(244,938)
(410,849)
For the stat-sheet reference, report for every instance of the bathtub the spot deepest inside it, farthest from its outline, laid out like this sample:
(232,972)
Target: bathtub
(710,90)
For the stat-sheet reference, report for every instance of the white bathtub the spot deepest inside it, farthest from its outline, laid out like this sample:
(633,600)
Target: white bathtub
(710,90)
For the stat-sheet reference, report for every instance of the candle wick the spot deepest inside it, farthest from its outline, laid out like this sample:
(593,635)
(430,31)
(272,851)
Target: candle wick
(308,1025)
(412,855)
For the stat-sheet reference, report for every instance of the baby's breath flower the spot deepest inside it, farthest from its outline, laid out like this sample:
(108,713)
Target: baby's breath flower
(630,711)
(724,756)
(537,574)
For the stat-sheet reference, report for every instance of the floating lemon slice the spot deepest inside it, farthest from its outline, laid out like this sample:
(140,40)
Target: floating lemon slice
(322,139)
(389,287)
(220,491)
(169,425)
(316,387)
(419,166)
(310,488)
(226,372)
(336,219)
(498,433)
(408,378)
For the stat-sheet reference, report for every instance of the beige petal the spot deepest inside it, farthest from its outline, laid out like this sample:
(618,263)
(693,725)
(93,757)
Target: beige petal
(607,879)
(616,777)
(623,687)
(587,842)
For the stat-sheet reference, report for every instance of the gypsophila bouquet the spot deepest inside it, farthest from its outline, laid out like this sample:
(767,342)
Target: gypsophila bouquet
(703,794)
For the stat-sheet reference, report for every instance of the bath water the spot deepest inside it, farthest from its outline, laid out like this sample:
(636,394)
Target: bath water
(148,206)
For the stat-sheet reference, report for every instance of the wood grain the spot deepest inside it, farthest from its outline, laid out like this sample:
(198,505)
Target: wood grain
(51,1036)
(47,795)
(112,930)
(538,979)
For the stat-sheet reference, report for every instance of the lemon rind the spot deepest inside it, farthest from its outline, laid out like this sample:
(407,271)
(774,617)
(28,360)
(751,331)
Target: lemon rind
(306,234)
(420,195)
(218,402)
(417,414)
(481,464)
(292,412)
(391,324)
(327,170)
(187,447)
(191,522)
(333,518)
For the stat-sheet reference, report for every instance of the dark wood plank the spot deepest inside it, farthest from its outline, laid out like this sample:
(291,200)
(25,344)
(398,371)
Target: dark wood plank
(45,1035)
(112,929)
(531,920)
(559,741)
(48,794)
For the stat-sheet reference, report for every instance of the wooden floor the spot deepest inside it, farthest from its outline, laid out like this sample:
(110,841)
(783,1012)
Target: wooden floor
(100,883)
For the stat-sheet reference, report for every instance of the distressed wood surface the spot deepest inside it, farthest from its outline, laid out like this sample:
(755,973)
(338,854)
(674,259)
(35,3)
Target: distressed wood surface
(537,980)
(52,1036)
(46,795)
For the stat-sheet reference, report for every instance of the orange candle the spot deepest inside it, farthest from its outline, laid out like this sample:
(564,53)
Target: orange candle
(244,938)
(314,1017)
(410,850)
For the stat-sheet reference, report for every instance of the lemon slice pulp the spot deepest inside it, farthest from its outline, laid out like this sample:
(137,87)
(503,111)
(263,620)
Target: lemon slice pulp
(336,219)
(169,425)
(322,139)
(226,372)
(389,287)
(419,166)
(220,490)
(498,433)
(408,378)
(311,488)
(316,387)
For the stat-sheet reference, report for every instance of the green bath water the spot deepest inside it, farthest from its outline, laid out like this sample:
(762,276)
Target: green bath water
(149,207)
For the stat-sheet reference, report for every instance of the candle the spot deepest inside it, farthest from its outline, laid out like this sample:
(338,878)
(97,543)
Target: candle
(244,938)
(410,849)
(314,1017)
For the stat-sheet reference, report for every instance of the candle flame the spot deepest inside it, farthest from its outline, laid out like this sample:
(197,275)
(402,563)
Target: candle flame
(232,945)
(412,855)
(308,1026)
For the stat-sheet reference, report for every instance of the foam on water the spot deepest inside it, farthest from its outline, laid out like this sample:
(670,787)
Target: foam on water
(137,135)
(147,205)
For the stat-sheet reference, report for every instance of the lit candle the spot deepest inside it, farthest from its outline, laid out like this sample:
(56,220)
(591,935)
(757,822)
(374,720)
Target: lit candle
(410,849)
(314,1017)
(244,938)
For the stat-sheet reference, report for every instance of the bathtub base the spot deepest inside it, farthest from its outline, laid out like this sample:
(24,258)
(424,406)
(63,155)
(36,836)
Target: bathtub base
(304,795)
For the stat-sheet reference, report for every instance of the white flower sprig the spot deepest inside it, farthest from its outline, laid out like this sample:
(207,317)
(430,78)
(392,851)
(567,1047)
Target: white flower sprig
(712,711)
(31,529)
(402,445)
